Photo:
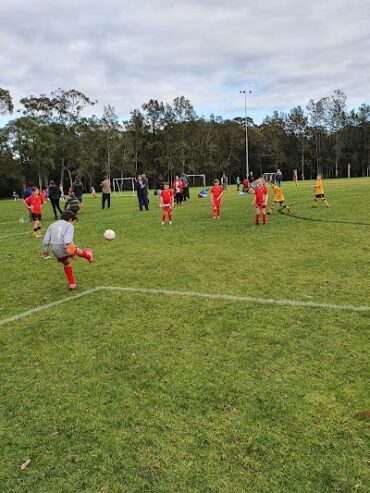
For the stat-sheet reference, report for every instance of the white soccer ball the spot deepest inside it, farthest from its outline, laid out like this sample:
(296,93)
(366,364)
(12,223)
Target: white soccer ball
(109,234)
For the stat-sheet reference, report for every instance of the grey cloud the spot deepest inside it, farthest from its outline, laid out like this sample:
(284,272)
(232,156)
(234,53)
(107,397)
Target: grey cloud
(125,52)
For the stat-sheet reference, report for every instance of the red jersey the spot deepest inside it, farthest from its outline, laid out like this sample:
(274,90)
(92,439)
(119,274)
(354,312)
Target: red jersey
(178,186)
(216,192)
(35,201)
(261,193)
(246,183)
(166,196)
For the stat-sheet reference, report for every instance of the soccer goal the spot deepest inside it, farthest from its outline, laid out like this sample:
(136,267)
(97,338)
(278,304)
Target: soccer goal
(269,177)
(124,186)
(197,180)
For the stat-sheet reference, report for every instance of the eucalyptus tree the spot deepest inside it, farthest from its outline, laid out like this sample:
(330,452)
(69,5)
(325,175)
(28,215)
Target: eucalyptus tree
(33,145)
(336,123)
(67,109)
(110,130)
(317,127)
(6,102)
(297,124)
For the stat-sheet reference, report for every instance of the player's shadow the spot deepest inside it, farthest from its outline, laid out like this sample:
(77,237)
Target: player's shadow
(318,220)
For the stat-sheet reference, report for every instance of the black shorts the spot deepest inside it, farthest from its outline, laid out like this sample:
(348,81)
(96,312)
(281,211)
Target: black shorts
(79,198)
(320,196)
(36,217)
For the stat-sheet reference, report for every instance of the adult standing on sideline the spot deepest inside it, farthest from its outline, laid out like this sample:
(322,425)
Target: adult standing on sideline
(54,198)
(279,177)
(78,189)
(159,185)
(106,191)
(142,194)
(146,187)
(224,181)
(185,191)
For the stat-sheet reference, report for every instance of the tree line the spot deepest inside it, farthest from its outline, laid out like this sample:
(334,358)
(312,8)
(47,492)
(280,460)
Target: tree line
(52,139)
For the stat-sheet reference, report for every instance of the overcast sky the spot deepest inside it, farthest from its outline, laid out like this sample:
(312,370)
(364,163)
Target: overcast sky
(124,52)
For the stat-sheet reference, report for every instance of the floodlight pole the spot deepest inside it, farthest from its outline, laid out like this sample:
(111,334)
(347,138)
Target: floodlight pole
(246,131)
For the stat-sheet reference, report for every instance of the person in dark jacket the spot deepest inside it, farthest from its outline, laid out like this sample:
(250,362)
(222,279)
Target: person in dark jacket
(54,195)
(142,193)
(78,189)
(72,204)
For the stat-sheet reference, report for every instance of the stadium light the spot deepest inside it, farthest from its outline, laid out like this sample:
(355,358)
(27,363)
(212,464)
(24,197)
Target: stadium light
(246,131)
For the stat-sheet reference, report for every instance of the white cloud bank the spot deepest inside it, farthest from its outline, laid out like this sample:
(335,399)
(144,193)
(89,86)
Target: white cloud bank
(125,52)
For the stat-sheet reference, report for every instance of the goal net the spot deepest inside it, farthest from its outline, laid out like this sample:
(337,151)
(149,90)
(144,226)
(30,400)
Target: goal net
(197,180)
(124,186)
(269,177)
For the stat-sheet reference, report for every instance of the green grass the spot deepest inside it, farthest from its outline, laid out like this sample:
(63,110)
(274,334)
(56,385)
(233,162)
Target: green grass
(129,392)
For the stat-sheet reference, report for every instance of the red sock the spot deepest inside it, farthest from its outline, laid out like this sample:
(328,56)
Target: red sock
(257,218)
(218,212)
(169,216)
(264,217)
(163,216)
(69,273)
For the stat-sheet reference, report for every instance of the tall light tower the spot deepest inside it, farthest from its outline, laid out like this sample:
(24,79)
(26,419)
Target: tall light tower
(246,131)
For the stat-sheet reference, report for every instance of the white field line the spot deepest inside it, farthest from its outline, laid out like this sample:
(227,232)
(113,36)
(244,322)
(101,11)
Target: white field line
(189,294)
(29,232)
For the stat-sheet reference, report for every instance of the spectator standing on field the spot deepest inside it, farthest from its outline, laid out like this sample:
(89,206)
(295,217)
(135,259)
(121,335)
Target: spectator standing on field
(224,181)
(78,189)
(54,198)
(238,183)
(159,185)
(142,194)
(279,178)
(146,186)
(185,191)
(106,191)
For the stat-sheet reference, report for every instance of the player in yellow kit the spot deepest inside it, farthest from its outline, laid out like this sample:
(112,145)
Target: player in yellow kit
(278,198)
(319,192)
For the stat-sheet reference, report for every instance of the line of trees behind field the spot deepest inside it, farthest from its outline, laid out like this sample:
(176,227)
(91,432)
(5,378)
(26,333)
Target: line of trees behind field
(52,139)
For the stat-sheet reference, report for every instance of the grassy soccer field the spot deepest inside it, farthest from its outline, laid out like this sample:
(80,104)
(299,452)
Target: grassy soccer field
(110,390)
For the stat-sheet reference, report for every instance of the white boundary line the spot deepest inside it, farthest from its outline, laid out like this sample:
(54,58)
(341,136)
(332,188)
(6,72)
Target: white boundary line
(189,294)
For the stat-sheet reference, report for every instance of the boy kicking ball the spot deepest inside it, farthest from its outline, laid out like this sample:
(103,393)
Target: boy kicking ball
(60,236)
(167,203)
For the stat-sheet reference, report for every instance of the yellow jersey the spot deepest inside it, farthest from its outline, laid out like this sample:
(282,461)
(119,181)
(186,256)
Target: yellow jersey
(278,194)
(319,187)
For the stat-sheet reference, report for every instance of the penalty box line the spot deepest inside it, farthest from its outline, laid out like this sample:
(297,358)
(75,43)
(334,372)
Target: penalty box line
(189,294)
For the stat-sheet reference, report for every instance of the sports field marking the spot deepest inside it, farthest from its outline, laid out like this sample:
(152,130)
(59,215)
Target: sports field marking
(189,294)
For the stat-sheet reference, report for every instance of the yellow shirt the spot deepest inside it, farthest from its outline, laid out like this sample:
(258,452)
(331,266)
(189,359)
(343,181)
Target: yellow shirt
(278,194)
(319,187)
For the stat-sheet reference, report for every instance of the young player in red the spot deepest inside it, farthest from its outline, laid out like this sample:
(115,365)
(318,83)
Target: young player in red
(216,195)
(60,236)
(34,205)
(260,201)
(167,203)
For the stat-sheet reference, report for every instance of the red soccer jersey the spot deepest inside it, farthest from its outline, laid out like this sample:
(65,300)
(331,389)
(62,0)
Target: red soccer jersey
(178,186)
(216,192)
(261,193)
(35,201)
(166,196)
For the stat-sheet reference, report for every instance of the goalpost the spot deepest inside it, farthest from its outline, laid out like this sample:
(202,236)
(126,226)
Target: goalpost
(197,180)
(124,187)
(269,177)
